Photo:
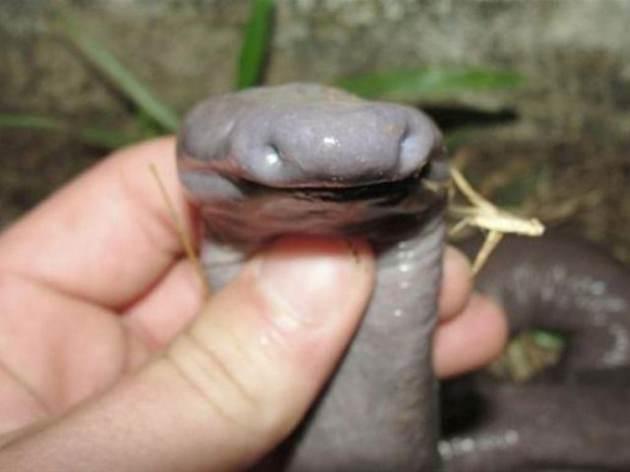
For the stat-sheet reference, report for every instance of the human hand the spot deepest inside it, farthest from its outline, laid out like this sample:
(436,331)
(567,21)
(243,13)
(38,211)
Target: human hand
(111,360)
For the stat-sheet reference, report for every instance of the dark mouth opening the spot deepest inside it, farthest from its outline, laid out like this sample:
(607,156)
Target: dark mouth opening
(384,192)
(387,192)
(382,212)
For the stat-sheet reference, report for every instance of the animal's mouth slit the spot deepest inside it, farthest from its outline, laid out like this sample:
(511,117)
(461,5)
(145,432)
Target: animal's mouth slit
(376,191)
(372,191)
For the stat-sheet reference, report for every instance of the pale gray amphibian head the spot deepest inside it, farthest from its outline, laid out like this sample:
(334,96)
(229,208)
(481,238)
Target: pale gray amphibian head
(304,158)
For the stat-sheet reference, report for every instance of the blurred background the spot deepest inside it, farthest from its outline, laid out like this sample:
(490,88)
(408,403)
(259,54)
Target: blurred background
(533,95)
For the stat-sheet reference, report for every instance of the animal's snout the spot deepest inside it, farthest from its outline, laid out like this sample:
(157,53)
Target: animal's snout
(335,145)
(306,136)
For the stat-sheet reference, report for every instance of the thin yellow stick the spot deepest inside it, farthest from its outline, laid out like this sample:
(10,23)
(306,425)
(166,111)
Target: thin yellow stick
(182,234)
(466,189)
(493,238)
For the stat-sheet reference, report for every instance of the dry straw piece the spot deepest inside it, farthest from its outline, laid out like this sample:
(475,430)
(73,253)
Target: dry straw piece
(182,234)
(486,216)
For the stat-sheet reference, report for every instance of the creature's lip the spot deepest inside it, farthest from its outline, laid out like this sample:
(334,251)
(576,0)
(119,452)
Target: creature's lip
(387,191)
(252,212)
(333,184)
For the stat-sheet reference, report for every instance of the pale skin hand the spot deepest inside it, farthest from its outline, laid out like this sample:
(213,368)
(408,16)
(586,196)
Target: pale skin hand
(98,306)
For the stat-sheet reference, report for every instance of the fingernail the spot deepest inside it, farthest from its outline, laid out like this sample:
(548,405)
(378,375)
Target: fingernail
(309,278)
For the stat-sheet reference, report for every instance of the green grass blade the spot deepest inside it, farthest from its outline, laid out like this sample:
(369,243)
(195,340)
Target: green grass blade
(255,44)
(95,136)
(30,122)
(107,139)
(415,84)
(123,79)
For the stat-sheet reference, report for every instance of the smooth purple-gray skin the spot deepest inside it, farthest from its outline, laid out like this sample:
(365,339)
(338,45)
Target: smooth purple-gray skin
(310,159)
(576,415)
(379,411)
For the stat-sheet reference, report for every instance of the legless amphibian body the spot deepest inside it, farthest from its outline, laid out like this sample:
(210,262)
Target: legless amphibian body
(309,159)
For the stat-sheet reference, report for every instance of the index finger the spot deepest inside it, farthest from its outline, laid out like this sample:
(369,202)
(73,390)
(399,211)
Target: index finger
(106,237)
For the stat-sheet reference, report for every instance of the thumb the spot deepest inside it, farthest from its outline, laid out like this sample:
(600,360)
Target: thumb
(236,382)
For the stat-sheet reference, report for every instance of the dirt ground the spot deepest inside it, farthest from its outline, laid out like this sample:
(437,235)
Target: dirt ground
(581,188)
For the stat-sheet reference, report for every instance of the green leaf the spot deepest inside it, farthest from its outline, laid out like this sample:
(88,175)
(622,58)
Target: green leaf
(415,84)
(549,339)
(122,78)
(255,44)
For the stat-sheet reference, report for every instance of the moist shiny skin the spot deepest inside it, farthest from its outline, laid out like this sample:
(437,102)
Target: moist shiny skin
(303,158)
(575,416)
(310,159)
